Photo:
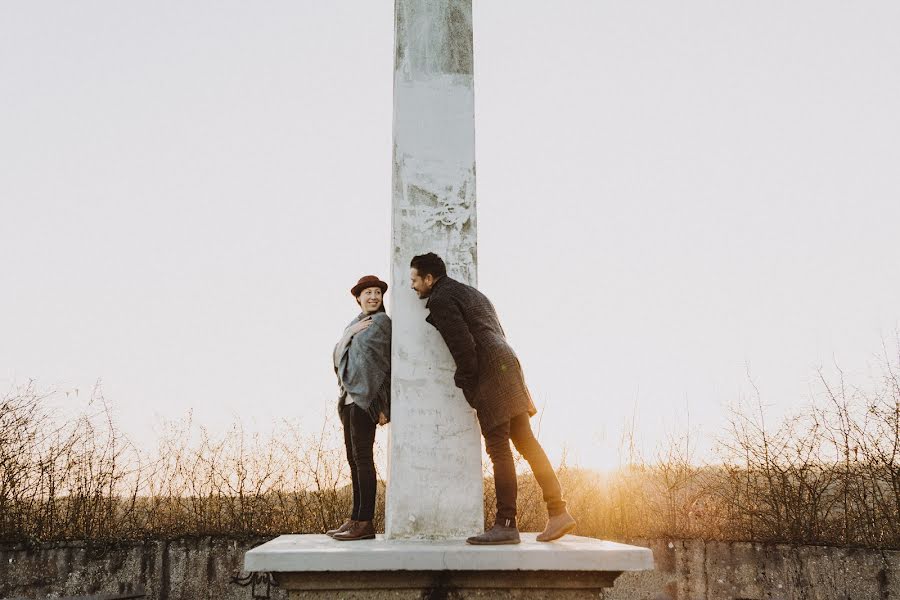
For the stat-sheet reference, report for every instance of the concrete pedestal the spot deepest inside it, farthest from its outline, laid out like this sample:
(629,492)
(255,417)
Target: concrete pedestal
(434,464)
(315,566)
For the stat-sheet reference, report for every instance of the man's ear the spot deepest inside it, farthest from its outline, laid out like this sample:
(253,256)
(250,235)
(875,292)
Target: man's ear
(429,279)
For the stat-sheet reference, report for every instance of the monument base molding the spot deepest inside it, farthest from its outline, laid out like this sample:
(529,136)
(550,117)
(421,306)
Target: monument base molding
(445,585)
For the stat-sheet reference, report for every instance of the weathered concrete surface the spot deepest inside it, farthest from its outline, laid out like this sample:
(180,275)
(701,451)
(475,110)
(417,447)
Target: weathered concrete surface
(319,553)
(695,569)
(191,569)
(434,462)
(685,570)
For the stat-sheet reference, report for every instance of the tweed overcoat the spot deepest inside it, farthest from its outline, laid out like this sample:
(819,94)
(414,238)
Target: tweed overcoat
(487,369)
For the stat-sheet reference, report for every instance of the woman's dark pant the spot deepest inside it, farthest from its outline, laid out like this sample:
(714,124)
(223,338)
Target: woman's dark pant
(518,429)
(359,439)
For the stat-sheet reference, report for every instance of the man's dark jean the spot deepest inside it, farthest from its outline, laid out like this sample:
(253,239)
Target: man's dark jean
(359,439)
(518,429)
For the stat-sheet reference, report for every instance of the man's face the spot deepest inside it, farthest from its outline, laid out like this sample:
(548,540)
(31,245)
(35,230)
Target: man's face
(370,300)
(422,285)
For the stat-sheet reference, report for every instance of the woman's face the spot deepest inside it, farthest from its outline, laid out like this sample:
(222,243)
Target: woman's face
(370,300)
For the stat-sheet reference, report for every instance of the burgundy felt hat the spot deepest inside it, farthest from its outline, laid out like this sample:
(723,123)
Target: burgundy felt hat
(367,281)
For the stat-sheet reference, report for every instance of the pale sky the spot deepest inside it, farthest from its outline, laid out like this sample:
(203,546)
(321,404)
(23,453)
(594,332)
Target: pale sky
(669,194)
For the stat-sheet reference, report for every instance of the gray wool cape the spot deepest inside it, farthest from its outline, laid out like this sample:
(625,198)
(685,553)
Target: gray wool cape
(363,366)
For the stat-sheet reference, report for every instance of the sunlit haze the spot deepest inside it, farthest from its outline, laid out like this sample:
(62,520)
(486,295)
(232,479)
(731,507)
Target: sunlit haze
(674,200)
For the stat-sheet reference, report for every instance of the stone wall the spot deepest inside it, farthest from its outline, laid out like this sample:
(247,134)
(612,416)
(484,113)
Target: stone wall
(695,569)
(196,569)
(187,569)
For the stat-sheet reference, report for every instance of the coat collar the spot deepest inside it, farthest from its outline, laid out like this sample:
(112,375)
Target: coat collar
(437,283)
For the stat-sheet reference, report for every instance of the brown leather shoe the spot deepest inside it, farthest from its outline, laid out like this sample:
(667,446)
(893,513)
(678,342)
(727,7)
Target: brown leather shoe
(496,535)
(557,526)
(347,525)
(360,530)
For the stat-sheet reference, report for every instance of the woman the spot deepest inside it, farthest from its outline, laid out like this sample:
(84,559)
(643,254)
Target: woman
(362,362)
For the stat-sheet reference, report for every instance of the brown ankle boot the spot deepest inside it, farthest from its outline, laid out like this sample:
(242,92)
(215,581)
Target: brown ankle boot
(557,526)
(360,530)
(347,525)
(504,531)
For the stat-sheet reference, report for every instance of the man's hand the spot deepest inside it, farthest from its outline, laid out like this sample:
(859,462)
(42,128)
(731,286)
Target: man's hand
(382,420)
(360,326)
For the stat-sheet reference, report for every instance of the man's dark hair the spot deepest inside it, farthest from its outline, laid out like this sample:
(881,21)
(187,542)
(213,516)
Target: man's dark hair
(429,264)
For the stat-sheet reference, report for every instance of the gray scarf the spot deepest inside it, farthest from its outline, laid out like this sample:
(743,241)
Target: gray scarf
(363,366)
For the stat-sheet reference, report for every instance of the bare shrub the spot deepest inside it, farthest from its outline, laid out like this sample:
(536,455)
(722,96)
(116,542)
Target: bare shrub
(83,480)
(830,475)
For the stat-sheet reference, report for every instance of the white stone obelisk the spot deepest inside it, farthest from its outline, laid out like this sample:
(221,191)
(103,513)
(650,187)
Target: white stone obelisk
(434,465)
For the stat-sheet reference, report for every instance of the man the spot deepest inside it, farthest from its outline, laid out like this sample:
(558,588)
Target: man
(490,376)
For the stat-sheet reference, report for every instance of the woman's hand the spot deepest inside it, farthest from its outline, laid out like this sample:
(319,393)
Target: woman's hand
(360,326)
(382,420)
